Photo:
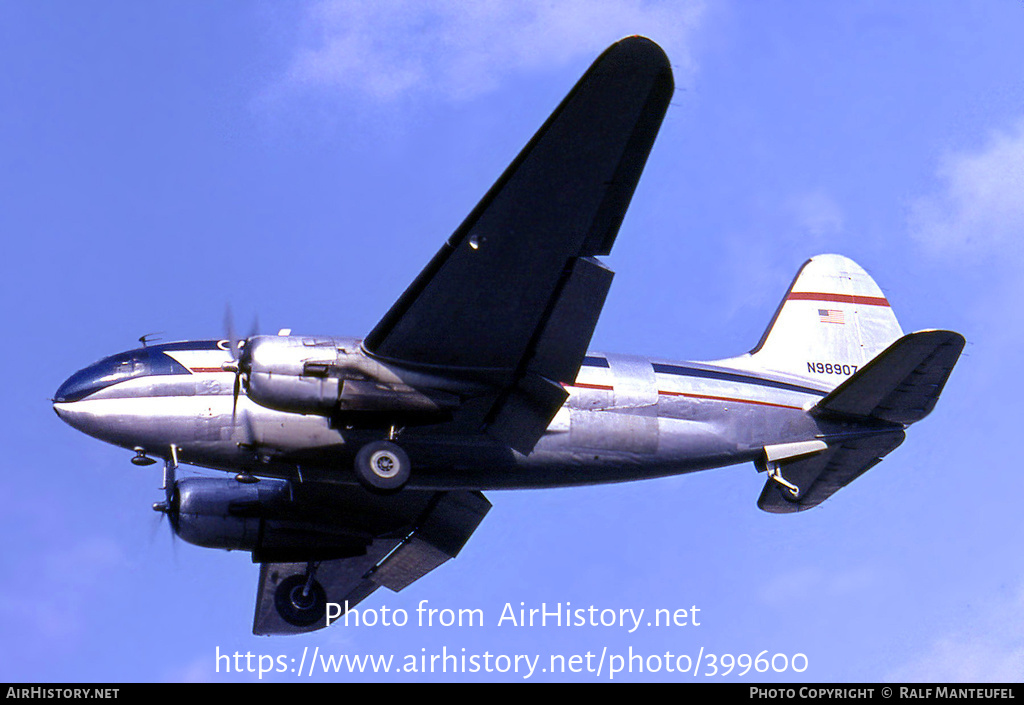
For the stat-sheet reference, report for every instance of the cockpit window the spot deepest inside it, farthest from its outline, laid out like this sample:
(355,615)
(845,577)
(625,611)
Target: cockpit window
(118,368)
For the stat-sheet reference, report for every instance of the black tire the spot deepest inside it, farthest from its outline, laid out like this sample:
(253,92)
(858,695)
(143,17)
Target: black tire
(297,609)
(382,466)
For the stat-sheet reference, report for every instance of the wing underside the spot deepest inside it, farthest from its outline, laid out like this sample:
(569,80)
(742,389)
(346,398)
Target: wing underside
(514,294)
(394,561)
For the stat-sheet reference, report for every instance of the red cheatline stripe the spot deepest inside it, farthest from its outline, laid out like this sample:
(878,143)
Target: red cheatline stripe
(581,385)
(206,369)
(840,298)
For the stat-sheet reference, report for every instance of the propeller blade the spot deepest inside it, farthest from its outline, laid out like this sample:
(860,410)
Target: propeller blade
(236,345)
(239,363)
(229,332)
(254,329)
(234,396)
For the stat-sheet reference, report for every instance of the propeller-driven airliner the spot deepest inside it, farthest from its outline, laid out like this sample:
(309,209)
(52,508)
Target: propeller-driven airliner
(359,463)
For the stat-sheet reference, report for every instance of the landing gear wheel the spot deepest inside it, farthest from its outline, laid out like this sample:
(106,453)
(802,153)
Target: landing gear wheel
(382,466)
(296,608)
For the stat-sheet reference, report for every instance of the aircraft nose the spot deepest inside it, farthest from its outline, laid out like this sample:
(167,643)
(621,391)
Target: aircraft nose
(62,402)
(58,400)
(73,388)
(69,409)
(65,413)
(82,417)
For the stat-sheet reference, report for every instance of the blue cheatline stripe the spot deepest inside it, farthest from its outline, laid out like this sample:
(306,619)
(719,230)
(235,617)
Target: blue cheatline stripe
(733,377)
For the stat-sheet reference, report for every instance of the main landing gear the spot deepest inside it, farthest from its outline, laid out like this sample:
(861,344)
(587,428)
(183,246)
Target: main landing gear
(382,466)
(300,599)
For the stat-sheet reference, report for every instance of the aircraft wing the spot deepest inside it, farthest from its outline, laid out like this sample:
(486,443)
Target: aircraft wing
(514,294)
(819,476)
(442,526)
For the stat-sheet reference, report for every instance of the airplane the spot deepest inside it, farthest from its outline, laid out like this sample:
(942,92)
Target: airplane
(360,463)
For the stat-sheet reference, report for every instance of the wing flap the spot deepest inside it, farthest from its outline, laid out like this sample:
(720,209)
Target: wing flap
(443,531)
(565,336)
(524,412)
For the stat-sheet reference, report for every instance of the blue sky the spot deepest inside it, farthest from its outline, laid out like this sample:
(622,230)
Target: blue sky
(303,161)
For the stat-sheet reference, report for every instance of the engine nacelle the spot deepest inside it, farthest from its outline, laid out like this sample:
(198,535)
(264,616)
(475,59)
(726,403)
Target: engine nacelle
(258,517)
(334,377)
(224,513)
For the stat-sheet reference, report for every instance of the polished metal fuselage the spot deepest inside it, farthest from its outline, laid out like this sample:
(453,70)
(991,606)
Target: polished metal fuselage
(626,418)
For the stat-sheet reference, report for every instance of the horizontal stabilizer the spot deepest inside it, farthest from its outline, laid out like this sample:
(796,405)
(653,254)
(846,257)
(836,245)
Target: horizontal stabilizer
(901,384)
(808,481)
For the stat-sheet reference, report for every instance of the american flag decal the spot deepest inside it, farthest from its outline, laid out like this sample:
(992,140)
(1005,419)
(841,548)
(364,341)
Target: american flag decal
(830,315)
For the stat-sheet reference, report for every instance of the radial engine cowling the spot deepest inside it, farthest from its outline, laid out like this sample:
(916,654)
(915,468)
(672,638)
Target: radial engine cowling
(224,513)
(334,377)
(258,517)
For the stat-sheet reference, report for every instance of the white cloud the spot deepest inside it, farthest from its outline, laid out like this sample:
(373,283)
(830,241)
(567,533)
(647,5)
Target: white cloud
(975,660)
(387,50)
(817,214)
(810,583)
(992,650)
(975,226)
(980,212)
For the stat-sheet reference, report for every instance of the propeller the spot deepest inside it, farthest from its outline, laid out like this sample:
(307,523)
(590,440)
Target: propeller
(241,362)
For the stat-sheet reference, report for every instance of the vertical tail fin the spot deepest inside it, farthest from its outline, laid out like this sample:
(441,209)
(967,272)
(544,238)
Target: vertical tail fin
(832,321)
(835,327)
